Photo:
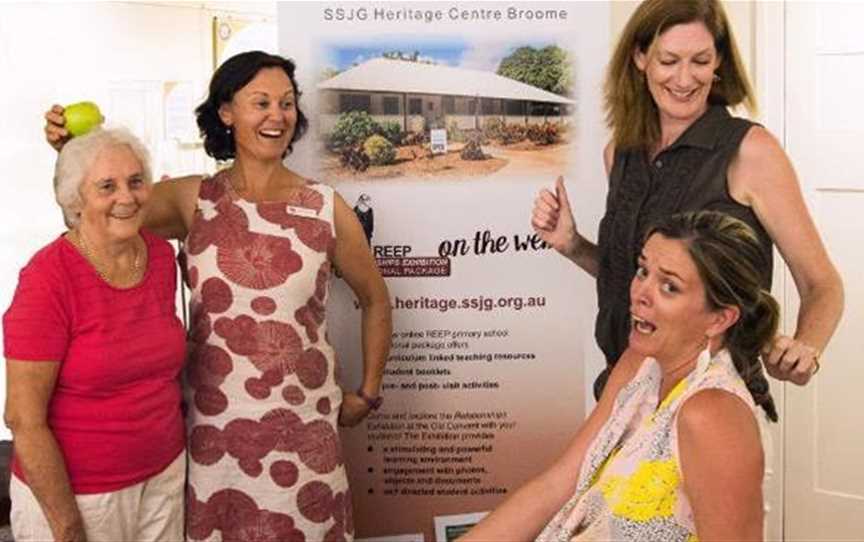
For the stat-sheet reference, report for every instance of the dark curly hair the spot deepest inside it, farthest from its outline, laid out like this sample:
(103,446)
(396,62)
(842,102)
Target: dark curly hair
(728,256)
(234,74)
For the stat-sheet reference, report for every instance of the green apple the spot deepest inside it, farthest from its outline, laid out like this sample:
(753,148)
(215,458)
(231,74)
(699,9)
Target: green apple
(82,117)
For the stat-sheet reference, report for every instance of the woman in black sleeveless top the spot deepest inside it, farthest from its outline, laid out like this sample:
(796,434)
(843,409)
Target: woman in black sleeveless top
(675,147)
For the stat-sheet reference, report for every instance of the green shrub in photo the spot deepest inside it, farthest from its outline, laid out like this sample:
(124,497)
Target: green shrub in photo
(391,130)
(493,128)
(379,150)
(454,133)
(352,128)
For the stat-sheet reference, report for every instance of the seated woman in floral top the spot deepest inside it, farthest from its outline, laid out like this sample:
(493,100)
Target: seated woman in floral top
(672,450)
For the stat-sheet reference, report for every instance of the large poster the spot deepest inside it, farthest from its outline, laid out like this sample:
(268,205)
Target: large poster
(438,123)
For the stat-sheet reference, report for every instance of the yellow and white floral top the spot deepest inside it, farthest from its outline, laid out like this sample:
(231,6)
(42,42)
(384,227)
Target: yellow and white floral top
(629,485)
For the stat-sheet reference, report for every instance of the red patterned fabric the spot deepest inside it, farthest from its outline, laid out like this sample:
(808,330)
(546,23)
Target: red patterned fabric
(265,458)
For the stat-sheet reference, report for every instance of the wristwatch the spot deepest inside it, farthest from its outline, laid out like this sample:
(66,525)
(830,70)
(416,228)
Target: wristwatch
(373,402)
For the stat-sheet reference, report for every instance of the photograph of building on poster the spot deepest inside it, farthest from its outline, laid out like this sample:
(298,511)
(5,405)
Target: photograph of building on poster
(408,111)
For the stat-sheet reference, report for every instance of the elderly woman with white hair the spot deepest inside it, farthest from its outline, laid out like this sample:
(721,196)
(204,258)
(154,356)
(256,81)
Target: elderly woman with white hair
(94,350)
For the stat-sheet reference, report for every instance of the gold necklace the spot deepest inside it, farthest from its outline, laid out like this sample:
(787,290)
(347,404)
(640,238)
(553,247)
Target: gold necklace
(132,276)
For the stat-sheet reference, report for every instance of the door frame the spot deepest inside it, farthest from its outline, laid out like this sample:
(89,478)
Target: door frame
(769,58)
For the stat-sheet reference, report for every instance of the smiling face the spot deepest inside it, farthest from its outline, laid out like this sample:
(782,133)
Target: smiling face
(670,314)
(262,115)
(679,70)
(114,195)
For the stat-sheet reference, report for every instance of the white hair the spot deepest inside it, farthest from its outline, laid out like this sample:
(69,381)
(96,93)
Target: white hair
(78,156)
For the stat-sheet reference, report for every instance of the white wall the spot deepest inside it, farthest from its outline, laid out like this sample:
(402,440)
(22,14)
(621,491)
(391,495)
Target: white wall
(118,54)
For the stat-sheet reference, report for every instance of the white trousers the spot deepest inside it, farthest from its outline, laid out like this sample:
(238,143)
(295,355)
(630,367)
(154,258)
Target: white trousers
(151,510)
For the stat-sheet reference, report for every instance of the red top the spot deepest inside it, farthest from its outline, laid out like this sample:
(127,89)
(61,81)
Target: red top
(115,411)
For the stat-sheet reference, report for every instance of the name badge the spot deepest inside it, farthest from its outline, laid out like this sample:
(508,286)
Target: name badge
(302,211)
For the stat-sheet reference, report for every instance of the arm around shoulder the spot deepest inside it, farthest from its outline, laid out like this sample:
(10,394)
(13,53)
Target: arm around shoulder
(172,206)
(723,465)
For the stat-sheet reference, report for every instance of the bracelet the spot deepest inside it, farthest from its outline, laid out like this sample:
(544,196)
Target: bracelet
(816,355)
(816,363)
(373,402)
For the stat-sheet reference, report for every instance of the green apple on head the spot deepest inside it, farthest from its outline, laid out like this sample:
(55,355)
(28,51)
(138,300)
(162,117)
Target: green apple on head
(82,117)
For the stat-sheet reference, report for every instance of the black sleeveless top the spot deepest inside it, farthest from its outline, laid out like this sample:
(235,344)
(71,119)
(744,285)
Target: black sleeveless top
(689,175)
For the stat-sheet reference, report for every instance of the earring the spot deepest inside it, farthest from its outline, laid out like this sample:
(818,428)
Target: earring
(716,77)
(228,130)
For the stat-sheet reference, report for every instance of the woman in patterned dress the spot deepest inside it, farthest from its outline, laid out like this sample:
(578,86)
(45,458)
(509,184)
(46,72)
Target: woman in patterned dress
(672,450)
(261,241)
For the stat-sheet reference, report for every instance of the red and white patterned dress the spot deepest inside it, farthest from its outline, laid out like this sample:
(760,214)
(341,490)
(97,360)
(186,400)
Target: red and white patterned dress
(265,458)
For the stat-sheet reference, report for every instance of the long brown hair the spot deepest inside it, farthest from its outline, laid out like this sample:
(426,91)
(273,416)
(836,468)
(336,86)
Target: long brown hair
(631,113)
(728,257)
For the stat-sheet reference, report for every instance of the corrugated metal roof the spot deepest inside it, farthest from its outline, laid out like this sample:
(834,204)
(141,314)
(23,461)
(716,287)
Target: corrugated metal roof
(386,75)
